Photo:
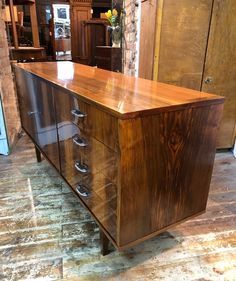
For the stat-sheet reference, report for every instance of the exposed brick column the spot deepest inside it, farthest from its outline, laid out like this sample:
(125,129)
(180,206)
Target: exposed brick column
(7,89)
(131,37)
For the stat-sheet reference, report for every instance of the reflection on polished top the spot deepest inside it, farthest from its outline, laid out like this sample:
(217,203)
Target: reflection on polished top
(121,95)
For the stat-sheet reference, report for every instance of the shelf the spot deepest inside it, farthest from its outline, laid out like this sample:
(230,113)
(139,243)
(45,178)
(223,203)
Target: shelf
(21,2)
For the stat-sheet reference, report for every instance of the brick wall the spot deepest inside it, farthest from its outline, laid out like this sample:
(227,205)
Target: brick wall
(131,37)
(7,90)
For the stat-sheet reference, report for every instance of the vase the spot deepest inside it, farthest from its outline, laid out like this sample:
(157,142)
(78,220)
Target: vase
(116,36)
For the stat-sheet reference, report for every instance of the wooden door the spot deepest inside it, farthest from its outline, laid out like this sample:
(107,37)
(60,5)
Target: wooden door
(147,36)
(220,67)
(79,47)
(181,46)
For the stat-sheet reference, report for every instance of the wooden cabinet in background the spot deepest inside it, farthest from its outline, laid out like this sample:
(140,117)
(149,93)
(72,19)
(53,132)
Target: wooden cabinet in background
(102,3)
(80,12)
(195,48)
(63,45)
(109,58)
(96,35)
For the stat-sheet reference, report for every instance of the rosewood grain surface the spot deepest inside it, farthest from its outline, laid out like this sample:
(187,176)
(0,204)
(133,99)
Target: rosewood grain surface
(115,93)
(164,153)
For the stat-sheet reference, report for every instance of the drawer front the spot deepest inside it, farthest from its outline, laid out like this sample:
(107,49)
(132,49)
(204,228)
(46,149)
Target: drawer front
(91,120)
(78,149)
(103,52)
(90,168)
(99,195)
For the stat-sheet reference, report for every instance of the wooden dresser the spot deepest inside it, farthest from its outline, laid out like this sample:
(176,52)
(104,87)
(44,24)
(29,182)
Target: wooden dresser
(137,153)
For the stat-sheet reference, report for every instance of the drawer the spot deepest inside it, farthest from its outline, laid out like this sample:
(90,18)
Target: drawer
(89,118)
(82,165)
(98,193)
(77,149)
(96,186)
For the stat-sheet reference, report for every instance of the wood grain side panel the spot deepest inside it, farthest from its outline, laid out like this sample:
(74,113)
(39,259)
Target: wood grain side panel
(221,66)
(166,166)
(184,33)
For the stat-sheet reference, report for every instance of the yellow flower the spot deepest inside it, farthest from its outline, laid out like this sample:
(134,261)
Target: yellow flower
(108,14)
(114,12)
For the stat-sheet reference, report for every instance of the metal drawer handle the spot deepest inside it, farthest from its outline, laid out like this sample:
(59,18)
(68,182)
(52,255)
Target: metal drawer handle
(79,141)
(78,113)
(82,190)
(82,168)
(33,112)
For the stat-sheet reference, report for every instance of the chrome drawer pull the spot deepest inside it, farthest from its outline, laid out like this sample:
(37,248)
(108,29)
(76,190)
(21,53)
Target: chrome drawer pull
(82,190)
(79,141)
(33,112)
(82,168)
(78,113)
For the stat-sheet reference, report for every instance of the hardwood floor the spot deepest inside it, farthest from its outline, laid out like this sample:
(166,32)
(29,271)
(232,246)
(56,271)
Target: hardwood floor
(45,233)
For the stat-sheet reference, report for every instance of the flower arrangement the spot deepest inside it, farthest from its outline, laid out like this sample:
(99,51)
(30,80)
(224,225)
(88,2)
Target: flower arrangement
(114,20)
(112,17)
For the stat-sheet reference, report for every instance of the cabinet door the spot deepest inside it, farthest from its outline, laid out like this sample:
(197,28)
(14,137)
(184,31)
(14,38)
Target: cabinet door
(27,105)
(183,40)
(45,121)
(37,113)
(220,66)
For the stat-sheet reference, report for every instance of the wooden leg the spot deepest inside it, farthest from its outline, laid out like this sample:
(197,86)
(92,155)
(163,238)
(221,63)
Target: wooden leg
(38,154)
(104,243)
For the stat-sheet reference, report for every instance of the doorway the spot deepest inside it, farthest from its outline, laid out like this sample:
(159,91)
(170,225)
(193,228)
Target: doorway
(61,31)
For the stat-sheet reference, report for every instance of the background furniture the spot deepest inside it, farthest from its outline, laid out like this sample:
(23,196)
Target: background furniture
(80,12)
(27,54)
(96,35)
(108,58)
(138,161)
(195,48)
(62,44)
(17,52)
(89,31)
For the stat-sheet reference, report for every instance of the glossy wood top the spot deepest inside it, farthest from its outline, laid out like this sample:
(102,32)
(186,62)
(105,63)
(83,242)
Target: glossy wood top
(121,95)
